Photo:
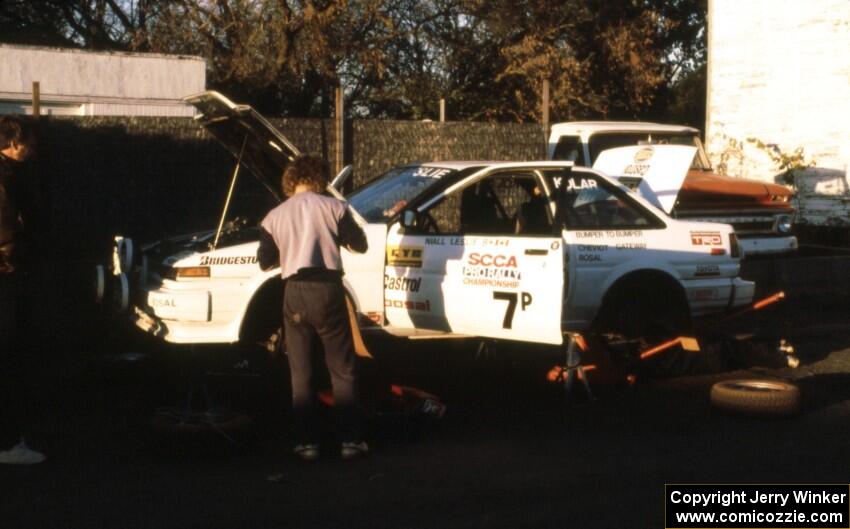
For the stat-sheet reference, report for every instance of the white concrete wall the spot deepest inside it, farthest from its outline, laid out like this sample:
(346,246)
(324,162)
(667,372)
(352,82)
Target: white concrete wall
(779,72)
(112,82)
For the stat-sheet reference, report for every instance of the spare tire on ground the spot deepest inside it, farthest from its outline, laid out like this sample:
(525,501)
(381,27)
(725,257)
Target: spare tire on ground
(756,397)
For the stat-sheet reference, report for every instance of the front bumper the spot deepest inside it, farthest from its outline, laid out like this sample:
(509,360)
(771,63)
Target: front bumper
(176,313)
(743,292)
(767,245)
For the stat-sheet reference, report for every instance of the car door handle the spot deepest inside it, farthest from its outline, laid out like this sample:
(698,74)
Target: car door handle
(535,251)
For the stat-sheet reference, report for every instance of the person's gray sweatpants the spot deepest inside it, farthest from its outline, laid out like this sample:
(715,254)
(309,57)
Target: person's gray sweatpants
(310,309)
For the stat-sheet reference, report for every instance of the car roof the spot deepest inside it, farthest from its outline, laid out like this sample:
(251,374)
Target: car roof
(459,165)
(637,126)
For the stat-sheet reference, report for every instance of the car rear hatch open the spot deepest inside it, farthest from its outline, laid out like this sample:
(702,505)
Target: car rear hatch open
(656,172)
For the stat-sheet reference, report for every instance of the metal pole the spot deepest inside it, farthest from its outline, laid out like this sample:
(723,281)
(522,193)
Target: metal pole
(544,109)
(36,99)
(339,116)
(442,110)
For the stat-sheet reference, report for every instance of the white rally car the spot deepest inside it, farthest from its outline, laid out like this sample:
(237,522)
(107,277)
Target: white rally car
(523,251)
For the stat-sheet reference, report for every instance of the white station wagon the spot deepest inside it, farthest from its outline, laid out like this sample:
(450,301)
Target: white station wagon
(525,251)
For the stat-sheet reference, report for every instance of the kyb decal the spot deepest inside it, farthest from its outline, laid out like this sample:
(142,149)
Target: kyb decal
(706,238)
(410,256)
(405,284)
(206,260)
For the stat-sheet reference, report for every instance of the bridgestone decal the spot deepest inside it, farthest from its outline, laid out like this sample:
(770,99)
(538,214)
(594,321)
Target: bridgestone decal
(236,260)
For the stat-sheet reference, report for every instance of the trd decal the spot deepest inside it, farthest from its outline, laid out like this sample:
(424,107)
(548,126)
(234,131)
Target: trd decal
(706,238)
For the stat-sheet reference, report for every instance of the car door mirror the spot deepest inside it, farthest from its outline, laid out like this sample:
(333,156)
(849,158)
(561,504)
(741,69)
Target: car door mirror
(408,219)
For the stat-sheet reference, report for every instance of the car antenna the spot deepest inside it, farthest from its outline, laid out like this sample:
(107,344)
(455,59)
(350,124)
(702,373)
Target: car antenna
(230,193)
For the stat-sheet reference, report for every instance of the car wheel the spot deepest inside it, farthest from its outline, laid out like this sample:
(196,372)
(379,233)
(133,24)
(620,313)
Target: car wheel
(756,397)
(639,315)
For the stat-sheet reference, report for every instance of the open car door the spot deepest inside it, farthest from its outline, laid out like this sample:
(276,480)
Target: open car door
(456,271)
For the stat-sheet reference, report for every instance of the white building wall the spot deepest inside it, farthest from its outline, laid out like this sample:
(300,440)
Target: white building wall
(99,82)
(779,72)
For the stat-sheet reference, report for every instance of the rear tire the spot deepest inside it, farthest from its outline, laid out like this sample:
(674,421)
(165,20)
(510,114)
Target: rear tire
(641,313)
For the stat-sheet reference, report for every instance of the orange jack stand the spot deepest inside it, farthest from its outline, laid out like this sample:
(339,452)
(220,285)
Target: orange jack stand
(574,368)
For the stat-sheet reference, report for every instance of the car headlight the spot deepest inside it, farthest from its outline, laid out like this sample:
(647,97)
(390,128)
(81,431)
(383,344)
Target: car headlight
(192,271)
(783,224)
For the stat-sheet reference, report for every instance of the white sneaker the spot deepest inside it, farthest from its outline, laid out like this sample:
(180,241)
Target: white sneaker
(307,452)
(351,450)
(21,454)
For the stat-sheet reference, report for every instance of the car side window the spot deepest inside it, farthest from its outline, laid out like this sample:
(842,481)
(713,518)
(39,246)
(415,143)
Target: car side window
(589,203)
(569,148)
(504,204)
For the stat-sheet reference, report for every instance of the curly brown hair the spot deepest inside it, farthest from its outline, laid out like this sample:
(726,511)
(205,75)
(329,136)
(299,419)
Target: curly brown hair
(310,171)
(15,129)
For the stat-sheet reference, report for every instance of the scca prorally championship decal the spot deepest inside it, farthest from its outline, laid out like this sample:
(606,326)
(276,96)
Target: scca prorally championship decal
(410,256)
(206,260)
(706,238)
(405,284)
(491,270)
(498,261)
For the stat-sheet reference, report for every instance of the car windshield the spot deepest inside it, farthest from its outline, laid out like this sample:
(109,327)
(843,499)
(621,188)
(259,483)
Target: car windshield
(384,197)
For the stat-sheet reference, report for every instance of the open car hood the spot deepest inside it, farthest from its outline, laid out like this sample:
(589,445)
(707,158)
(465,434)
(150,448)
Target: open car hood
(266,150)
(656,172)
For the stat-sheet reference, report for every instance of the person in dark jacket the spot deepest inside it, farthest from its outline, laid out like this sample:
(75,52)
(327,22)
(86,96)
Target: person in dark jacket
(303,235)
(16,145)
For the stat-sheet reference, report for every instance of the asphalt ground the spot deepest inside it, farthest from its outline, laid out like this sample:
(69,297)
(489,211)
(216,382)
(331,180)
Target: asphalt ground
(508,452)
